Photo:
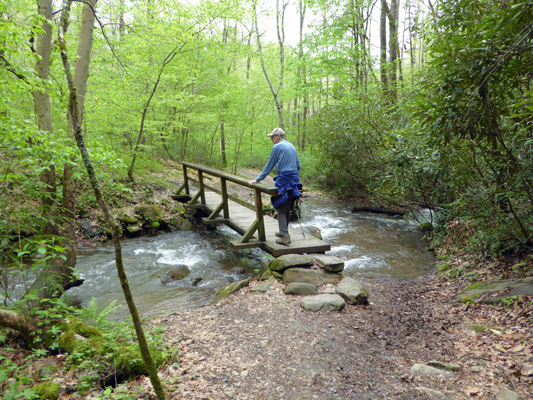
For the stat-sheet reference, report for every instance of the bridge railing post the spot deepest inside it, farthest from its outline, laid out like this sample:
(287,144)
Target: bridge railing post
(257,227)
(186,180)
(259,215)
(202,186)
(224,187)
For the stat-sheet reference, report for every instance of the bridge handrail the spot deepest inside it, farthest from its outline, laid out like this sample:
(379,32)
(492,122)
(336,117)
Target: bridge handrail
(272,191)
(258,225)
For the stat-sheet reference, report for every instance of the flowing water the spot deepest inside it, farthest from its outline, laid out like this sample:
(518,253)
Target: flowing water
(370,245)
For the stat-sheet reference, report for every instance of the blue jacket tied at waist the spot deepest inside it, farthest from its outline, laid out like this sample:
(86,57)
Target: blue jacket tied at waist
(288,185)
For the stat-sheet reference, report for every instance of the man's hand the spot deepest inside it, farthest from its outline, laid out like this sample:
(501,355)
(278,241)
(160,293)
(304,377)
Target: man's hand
(252,182)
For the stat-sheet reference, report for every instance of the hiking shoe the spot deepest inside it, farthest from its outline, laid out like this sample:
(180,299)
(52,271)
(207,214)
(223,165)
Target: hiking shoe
(278,234)
(284,240)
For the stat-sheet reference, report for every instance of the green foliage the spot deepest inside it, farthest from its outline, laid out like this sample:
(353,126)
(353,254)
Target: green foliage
(509,302)
(476,84)
(23,262)
(15,376)
(93,346)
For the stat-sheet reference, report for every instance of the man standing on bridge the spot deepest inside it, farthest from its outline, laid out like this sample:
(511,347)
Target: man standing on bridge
(285,158)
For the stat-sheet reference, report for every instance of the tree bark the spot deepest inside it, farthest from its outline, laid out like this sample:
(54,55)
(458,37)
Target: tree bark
(52,281)
(26,326)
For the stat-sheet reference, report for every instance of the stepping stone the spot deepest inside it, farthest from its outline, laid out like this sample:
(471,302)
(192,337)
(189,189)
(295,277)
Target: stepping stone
(323,302)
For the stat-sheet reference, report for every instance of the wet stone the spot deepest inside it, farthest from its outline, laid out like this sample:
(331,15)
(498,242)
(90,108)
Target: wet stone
(329,263)
(284,262)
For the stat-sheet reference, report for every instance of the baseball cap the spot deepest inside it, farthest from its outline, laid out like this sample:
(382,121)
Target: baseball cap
(277,131)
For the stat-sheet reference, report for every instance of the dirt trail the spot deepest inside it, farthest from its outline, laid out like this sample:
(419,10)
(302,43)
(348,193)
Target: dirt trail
(265,346)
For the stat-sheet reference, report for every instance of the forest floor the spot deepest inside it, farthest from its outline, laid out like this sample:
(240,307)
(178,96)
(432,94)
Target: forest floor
(264,346)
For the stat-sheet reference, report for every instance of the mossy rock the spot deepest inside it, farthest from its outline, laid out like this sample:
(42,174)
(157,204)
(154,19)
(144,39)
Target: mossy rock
(148,212)
(151,225)
(183,224)
(268,274)
(47,390)
(85,330)
(132,230)
(69,341)
(227,290)
(492,292)
(127,219)
(479,285)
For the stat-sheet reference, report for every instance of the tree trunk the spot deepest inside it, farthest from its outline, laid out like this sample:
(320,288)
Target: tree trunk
(383,46)
(265,72)
(140,138)
(110,221)
(44,114)
(26,326)
(393,48)
(302,77)
(122,23)
(223,146)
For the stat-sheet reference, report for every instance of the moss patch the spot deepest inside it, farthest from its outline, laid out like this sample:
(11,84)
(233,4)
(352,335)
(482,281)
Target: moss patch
(130,362)
(47,390)
(227,290)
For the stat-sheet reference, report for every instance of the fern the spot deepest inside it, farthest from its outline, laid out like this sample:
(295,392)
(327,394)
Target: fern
(91,313)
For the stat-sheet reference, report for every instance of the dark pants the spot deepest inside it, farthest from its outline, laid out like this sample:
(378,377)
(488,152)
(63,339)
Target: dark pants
(284,216)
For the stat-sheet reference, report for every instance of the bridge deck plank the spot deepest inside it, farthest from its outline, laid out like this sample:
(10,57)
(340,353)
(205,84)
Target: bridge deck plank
(241,218)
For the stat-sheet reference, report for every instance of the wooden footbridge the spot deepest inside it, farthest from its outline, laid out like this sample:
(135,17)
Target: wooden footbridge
(249,220)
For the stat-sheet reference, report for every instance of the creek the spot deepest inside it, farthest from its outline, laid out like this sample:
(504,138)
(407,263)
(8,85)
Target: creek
(371,245)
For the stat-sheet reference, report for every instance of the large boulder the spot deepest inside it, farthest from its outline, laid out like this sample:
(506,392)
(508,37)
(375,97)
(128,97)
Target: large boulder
(494,291)
(323,302)
(352,291)
(427,370)
(90,229)
(286,261)
(177,273)
(183,224)
(312,276)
